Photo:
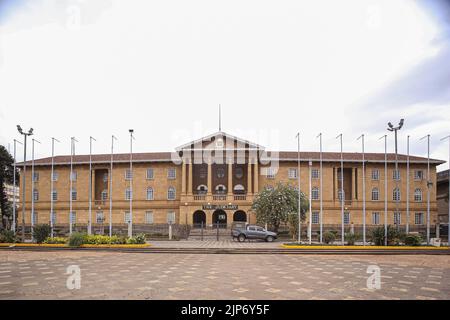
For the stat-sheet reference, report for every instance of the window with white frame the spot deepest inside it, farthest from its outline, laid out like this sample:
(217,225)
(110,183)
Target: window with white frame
(105,195)
(35,217)
(171,193)
(149,174)
(35,176)
(99,218)
(54,195)
(35,195)
(315,173)
(74,175)
(315,194)
(375,218)
(171,217)
(346,217)
(270,173)
(73,217)
(55,176)
(418,195)
(396,174)
(148,217)
(128,174)
(53,217)
(418,175)
(128,194)
(397,218)
(171,173)
(74,194)
(375,174)
(105,177)
(396,194)
(315,217)
(375,194)
(127,217)
(149,193)
(418,218)
(292,173)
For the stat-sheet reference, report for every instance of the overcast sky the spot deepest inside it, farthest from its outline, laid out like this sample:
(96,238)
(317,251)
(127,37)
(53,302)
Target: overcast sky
(99,67)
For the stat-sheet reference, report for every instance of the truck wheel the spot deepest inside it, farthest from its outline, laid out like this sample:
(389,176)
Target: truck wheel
(241,238)
(269,239)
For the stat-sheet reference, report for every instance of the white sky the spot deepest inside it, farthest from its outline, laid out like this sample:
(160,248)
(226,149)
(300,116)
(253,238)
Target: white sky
(81,68)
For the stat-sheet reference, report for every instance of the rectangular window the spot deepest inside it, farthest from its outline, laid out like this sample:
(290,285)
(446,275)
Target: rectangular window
(418,175)
(396,174)
(346,217)
(35,195)
(315,173)
(74,176)
(128,194)
(171,217)
(55,176)
(128,174)
(36,176)
(315,217)
(35,217)
(270,173)
(105,177)
(99,217)
(171,193)
(73,217)
(149,217)
(149,193)
(74,194)
(104,195)
(375,218)
(149,173)
(171,173)
(54,195)
(418,218)
(53,217)
(292,173)
(397,218)
(375,174)
(127,217)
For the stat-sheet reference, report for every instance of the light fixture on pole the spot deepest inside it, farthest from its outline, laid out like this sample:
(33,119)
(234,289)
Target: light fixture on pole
(25,135)
(72,153)
(13,226)
(397,172)
(448,178)
(363,187)
(32,186)
(407,185)
(52,214)
(342,191)
(90,185)
(429,184)
(299,236)
(385,190)
(130,222)
(111,185)
(321,184)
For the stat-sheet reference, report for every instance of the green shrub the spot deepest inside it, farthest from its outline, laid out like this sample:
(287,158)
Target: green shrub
(394,237)
(137,239)
(413,240)
(329,237)
(7,236)
(55,240)
(77,239)
(41,232)
(351,238)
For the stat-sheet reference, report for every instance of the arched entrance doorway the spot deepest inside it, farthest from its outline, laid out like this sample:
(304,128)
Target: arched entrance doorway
(240,216)
(219,217)
(198,218)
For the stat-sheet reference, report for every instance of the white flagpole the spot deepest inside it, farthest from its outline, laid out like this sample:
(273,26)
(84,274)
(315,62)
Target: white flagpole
(14,188)
(299,190)
(407,185)
(429,183)
(32,186)
(342,192)
(310,204)
(321,184)
(72,152)
(51,186)
(130,223)
(111,185)
(90,185)
(385,189)
(448,224)
(364,188)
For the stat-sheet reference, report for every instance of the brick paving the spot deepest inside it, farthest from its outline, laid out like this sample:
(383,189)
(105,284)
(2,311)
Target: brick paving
(107,275)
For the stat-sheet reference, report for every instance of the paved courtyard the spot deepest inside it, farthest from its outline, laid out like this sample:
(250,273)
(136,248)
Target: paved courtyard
(108,275)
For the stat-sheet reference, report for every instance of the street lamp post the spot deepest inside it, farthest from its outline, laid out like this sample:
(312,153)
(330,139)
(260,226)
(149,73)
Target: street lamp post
(364,188)
(407,185)
(25,135)
(52,214)
(321,184)
(90,185)
(299,190)
(429,184)
(111,185)
(32,186)
(13,227)
(72,153)
(130,222)
(385,189)
(342,191)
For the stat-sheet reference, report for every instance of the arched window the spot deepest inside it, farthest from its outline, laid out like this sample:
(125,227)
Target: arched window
(221,189)
(202,189)
(171,193)
(315,194)
(375,194)
(149,193)
(418,195)
(239,189)
(396,194)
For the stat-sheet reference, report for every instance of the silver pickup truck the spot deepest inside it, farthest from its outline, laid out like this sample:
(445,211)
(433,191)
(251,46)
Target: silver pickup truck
(242,232)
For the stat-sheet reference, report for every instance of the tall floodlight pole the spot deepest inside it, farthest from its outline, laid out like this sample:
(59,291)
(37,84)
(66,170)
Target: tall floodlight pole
(397,173)
(364,188)
(407,185)
(448,223)
(25,135)
(32,186)
(385,189)
(342,191)
(13,227)
(130,222)
(90,185)
(299,190)
(321,184)
(429,184)
(72,153)
(51,186)
(111,185)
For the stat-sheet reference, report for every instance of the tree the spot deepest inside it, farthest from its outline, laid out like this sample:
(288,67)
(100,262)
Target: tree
(279,205)
(6,177)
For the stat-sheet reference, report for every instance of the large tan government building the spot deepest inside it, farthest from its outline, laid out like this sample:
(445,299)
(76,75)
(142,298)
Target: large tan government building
(215,179)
